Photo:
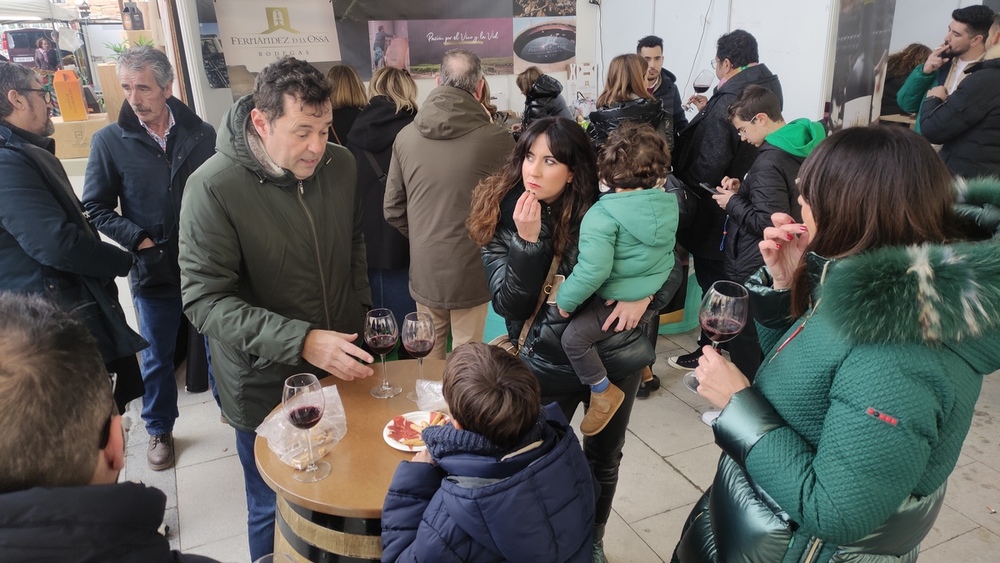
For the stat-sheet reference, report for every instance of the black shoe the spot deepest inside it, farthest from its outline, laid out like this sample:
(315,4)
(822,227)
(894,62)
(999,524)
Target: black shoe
(646,387)
(686,362)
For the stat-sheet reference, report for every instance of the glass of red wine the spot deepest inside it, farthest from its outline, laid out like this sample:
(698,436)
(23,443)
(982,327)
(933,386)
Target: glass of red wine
(418,339)
(381,334)
(303,404)
(702,83)
(723,315)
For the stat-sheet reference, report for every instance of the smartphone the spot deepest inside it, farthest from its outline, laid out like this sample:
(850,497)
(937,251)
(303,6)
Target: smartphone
(705,186)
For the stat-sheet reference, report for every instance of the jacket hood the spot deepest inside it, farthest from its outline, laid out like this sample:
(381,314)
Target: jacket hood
(233,140)
(545,87)
(798,138)
(941,294)
(449,113)
(492,485)
(666,75)
(376,127)
(635,211)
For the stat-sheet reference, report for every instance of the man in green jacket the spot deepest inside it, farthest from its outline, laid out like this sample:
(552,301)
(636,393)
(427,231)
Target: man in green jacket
(964,44)
(272,259)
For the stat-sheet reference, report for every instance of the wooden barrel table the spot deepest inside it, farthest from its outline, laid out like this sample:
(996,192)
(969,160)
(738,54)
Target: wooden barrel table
(338,519)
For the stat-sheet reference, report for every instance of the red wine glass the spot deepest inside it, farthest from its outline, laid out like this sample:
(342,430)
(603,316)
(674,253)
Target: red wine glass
(303,404)
(381,334)
(418,339)
(723,315)
(701,84)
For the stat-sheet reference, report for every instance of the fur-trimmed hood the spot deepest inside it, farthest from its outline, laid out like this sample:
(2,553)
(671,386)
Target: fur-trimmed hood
(945,294)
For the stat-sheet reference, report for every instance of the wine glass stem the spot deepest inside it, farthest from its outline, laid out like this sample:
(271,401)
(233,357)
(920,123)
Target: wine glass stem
(309,444)
(715,345)
(385,374)
(420,363)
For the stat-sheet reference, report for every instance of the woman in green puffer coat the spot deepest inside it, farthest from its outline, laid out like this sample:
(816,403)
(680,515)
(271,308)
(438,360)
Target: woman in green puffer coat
(878,318)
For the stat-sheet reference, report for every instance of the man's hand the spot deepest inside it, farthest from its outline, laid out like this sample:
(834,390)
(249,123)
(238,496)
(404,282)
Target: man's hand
(333,352)
(146,243)
(698,101)
(938,92)
(935,60)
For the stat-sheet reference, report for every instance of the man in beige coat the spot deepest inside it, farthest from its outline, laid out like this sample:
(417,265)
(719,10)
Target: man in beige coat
(436,163)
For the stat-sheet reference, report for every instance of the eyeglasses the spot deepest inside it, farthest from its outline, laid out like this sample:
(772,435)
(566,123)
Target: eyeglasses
(715,63)
(743,130)
(46,95)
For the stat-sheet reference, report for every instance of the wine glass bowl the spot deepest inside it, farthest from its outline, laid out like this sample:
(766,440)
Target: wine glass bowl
(418,339)
(302,402)
(722,316)
(381,335)
(701,84)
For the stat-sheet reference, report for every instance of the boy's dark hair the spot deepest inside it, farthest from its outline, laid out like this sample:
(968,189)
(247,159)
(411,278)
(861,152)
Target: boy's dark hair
(55,396)
(978,18)
(739,47)
(648,42)
(754,99)
(491,393)
(291,76)
(634,156)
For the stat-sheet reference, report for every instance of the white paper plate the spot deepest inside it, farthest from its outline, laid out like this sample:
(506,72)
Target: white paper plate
(416,417)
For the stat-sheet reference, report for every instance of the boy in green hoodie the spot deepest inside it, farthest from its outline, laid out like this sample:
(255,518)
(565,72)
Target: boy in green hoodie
(767,188)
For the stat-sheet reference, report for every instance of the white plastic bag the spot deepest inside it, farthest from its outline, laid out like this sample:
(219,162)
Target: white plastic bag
(430,396)
(288,442)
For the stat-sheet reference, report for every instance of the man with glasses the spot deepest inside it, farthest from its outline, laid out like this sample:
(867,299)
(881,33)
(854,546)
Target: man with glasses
(134,183)
(47,245)
(63,448)
(708,150)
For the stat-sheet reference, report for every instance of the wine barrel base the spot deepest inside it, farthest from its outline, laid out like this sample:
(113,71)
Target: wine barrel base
(310,536)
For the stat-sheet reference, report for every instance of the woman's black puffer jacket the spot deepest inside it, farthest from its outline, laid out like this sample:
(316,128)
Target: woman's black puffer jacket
(606,119)
(516,271)
(544,99)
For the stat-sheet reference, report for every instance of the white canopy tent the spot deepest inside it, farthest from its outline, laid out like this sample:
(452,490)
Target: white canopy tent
(34,11)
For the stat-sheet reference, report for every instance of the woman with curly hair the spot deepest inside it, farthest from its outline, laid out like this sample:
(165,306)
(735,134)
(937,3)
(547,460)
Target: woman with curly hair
(900,65)
(527,218)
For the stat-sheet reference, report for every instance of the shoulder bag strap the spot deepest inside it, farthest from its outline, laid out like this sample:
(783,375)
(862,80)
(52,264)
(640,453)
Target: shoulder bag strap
(374,163)
(542,297)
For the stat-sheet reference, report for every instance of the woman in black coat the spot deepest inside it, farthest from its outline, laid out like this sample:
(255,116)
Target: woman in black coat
(392,107)
(542,96)
(525,216)
(625,99)
(348,99)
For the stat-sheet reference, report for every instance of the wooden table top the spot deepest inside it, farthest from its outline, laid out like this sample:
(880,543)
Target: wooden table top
(363,464)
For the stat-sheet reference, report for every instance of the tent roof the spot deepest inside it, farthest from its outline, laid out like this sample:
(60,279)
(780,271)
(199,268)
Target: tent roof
(34,10)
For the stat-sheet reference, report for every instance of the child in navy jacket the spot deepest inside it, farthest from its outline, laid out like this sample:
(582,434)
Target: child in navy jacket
(506,481)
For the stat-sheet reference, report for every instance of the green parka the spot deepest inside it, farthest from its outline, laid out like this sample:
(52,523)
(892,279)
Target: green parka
(626,248)
(264,260)
(841,449)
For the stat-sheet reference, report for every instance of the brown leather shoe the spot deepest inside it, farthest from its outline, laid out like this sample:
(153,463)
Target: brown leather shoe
(603,407)
(160,455)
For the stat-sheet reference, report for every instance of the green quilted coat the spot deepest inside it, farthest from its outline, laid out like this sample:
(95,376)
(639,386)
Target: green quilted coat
(842,448)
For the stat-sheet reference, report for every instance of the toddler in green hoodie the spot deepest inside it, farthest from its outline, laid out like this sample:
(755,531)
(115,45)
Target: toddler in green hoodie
(626,253)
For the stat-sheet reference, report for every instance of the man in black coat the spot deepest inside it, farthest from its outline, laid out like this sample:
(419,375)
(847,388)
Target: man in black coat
(661,82)
(47,245)
(967,123)
(708,150)
(63,448)
(134,183)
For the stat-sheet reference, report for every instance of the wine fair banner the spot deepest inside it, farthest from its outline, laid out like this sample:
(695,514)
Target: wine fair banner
(255,33)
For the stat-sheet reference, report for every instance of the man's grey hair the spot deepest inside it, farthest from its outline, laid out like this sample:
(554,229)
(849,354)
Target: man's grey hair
(138,58)
(461,69)
(12,77)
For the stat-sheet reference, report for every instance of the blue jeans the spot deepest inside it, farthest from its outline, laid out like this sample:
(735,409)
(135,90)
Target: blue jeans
(391,290)
(260,499)
(159,322)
